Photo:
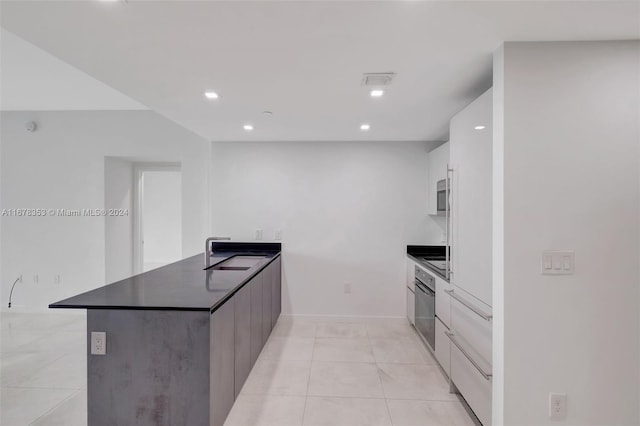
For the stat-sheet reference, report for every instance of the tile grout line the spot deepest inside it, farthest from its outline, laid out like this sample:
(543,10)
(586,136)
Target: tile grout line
(43,388)
(386,404)
(36,370)
(384,394)
(334,396)
(306,396)
(44,415)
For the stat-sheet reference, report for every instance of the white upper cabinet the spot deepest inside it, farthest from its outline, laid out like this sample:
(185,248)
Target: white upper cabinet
(437,169)
(470,156)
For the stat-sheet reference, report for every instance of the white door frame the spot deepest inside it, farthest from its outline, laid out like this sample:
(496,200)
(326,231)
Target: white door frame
(138,195)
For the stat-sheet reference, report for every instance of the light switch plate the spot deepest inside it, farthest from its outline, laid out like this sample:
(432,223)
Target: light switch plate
(557,262)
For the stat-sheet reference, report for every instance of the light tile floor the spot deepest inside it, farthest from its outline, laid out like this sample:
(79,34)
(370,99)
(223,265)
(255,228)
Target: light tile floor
(312,372)
(43,369)
(338,372)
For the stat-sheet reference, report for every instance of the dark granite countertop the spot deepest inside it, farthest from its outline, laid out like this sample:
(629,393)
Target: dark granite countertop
(420,254)
(182,286)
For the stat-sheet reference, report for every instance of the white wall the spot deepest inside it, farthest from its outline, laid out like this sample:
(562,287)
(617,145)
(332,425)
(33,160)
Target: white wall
(118,231)
(62,165)
(347,211)
(162,218)
(570,137)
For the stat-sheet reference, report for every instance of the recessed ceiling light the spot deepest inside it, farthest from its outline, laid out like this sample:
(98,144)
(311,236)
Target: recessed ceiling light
(248,127)
(267,113)
(479,127)
(376,93)
(211,95)
(365,127)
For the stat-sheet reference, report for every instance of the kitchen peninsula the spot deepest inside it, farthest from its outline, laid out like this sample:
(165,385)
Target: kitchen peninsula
(179,340)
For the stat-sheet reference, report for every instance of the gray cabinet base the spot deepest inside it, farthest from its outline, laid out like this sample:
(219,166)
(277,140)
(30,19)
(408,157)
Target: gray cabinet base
(155,371)
(179,368)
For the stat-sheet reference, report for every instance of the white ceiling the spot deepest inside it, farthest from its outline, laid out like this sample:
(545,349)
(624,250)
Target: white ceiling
(34,80)
(304,60)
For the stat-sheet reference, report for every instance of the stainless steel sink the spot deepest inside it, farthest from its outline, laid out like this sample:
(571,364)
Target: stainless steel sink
(239,263)
(231,268)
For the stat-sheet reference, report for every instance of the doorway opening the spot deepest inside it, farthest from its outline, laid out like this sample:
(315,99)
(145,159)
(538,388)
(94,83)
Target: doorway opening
(157,236)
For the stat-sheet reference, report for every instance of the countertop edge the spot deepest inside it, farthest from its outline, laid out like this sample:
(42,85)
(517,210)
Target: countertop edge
(128,308)
(211,309)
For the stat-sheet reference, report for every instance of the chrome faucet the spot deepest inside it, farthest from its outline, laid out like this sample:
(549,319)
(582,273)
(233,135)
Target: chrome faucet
(208,251)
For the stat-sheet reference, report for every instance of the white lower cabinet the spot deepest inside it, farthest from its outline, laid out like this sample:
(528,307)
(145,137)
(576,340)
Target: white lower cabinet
(411,272)
(473,386)
(411,307)
(443,347)
(411,298)
(443,301)
(470,326)
(471,351)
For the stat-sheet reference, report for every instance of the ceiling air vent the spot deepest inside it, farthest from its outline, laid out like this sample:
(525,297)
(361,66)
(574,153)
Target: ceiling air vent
(377,78)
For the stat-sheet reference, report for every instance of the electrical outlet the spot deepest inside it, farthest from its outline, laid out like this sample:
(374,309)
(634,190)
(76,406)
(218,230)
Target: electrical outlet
(557,406)
(35,279)
(20,278)
(98,343)
(347,287)
(277,234)
(258,234)
(56,279)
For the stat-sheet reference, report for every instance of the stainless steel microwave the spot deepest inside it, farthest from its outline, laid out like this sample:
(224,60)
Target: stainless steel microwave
(441,198)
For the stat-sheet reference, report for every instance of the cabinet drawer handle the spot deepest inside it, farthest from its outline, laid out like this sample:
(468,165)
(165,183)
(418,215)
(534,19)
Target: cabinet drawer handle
(451,337)
(476,310)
